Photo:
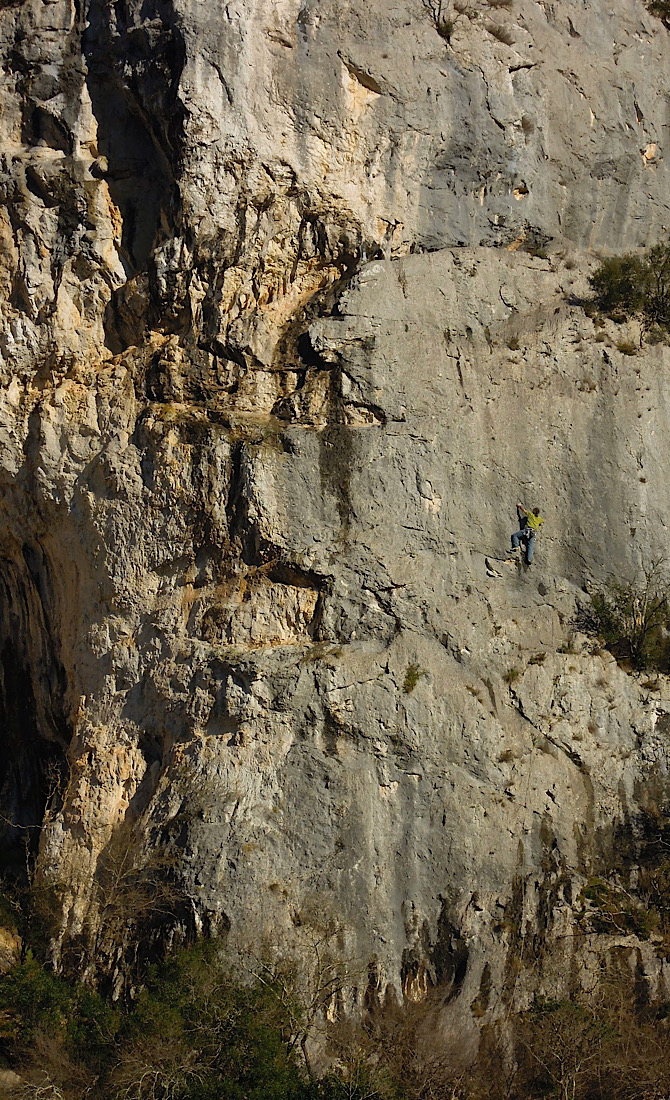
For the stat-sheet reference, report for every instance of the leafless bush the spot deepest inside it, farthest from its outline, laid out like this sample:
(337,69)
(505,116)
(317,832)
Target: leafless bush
(152,1070)
(131,881)
(602,1046)
(50,1073)
(311,991)
(136,894)
(633,617)
(559,1047)
(444,25)
(398,1046)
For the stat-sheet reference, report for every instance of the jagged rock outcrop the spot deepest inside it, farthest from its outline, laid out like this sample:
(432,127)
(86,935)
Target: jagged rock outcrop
(254,451)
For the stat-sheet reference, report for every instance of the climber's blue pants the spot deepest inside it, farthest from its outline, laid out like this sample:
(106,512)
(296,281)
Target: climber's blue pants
(529,538)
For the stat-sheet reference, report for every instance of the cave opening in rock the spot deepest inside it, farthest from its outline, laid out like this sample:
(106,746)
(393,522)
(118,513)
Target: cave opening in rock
(33,729)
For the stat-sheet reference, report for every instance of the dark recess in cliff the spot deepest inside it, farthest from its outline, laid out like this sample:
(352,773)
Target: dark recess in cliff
(134,64)
(33,729)
(441,964)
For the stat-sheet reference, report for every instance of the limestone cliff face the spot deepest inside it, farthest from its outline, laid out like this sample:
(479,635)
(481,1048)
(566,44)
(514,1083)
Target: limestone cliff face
(277,361)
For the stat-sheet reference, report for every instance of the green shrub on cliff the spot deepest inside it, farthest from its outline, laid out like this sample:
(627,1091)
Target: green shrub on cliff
(633,619)
(637,286)
(60,1035)
(660,8)
(611,909)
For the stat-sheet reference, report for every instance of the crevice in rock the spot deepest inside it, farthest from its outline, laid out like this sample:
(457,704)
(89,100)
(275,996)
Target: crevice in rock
(285,572)
(449,956)
(34,732)
(134,65)
(242,530)
(339,400)
(365,79)
(40,127)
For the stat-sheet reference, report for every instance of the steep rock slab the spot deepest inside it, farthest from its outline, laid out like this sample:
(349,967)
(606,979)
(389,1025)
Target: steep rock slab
(249,478)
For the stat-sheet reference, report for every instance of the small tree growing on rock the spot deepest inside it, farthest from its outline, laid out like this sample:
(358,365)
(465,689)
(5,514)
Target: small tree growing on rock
(660,8)
(633,618)
(559,1044)
(443,24)
(638,286)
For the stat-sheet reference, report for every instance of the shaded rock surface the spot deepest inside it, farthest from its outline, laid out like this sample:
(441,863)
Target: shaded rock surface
(278,357)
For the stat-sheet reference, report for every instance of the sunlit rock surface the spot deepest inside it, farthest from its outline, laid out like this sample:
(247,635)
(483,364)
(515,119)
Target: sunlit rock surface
(290,321)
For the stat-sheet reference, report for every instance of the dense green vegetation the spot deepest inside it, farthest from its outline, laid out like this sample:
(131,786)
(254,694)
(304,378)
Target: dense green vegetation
(637,286)
(193,1033)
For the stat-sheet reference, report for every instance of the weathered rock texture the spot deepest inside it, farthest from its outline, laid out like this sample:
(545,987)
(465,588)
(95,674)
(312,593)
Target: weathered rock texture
(277,361)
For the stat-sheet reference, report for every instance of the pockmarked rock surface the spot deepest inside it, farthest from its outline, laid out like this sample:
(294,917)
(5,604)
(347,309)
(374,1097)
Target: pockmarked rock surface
(290,321)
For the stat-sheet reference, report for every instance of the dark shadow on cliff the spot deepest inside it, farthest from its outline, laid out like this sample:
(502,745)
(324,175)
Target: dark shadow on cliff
(34,732)
(134,64)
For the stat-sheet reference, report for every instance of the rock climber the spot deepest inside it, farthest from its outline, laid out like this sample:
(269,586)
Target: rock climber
(530,522)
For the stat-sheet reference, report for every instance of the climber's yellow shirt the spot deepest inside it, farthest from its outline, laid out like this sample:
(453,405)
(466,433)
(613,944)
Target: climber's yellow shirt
(533,521)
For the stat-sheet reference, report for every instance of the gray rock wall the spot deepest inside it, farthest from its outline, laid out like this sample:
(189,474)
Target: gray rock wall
(277,364)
